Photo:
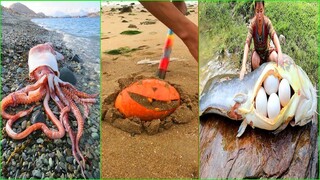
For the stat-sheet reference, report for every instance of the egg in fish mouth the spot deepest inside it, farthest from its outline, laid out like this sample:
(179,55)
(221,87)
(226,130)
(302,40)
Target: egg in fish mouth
(273,95)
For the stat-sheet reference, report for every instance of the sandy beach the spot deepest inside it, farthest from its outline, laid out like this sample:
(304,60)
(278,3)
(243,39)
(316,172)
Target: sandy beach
(173,152)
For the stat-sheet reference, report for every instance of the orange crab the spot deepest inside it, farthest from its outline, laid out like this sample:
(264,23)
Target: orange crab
(148,99)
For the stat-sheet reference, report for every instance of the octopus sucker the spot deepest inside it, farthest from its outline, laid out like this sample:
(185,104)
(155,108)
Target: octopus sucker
(43,68)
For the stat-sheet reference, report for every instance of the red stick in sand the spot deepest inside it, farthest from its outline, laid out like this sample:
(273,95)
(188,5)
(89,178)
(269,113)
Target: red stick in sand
(163,65)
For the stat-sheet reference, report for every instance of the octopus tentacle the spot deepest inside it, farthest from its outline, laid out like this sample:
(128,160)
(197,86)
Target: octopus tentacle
(53,134)
(36,85)
(80,121)
(67,124)
(78,100)
(76,91)
(20,98)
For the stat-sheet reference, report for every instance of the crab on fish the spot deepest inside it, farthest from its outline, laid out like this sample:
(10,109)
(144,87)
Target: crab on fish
(268,98)
(43,68)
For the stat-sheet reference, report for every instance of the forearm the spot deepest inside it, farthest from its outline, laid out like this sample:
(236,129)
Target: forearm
(245,55)
(169,15)
(277,43)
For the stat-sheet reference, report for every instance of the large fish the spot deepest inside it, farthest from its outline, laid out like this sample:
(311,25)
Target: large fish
(235,98)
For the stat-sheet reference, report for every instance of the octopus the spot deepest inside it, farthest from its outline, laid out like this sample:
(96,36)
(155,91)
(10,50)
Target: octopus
(43,69)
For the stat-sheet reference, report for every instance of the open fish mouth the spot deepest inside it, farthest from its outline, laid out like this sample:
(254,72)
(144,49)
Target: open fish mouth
(268,98)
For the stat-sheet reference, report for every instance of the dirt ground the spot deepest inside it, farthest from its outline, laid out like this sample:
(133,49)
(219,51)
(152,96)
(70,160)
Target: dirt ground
(172,153)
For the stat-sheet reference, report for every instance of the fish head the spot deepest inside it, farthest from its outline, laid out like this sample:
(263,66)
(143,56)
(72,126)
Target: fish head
(301,106)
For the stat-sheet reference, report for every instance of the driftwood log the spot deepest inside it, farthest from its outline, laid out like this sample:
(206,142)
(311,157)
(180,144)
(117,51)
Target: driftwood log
(293,153)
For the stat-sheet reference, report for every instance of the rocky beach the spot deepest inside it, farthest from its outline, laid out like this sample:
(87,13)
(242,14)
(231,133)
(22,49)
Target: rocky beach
(37,156)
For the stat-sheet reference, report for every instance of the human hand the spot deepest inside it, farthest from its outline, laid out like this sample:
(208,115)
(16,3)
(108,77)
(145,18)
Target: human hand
(181,5)
(280,59)
(242,72)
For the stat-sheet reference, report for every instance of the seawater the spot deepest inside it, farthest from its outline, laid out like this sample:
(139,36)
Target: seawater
(82,35)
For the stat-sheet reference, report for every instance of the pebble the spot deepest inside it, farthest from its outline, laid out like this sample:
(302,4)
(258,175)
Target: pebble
(19,70)
(24,124)
(40,141)
(93,129)
(3,142)
(70,159)
(95,136)
(68,76)
(36,173)
(50,162)
(5,89)
(37,116)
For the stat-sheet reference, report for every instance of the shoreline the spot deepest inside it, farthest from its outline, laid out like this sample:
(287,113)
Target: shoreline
(74,42)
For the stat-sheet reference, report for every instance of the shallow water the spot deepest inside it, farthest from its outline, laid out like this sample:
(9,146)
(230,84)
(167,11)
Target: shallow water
(82,35)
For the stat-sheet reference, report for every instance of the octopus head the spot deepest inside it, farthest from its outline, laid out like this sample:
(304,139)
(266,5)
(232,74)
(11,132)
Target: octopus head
(43,55)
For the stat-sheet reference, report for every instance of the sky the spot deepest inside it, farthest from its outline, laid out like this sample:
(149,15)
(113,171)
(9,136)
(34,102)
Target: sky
(127,2)
(58,8)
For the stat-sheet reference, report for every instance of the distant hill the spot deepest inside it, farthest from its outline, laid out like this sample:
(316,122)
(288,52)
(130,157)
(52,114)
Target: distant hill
(93,14)
(23,10)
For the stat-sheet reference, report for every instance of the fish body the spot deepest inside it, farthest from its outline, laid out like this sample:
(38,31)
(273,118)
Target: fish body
(235,98)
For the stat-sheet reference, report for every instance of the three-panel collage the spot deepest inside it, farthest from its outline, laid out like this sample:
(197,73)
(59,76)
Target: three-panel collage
(159,89)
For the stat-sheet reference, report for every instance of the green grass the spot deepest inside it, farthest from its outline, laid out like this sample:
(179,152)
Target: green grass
(130,32)
(223,27)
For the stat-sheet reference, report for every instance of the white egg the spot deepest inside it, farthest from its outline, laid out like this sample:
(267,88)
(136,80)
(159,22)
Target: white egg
(284,92)
(271,84)
(261,102)
(273,106)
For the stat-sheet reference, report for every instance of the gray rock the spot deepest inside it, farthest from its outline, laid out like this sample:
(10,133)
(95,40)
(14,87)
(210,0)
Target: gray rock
(24,124)
(69,159)
(5,89)
(51,163)
(40,141)
(36,173)
(37,116)
(95,136)
(93,129)
(19,70)
(68,76)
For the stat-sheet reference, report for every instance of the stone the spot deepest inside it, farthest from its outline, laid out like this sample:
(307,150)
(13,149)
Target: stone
(37,116)
(39,140)
(36,173)
(132,26)
(95,136)
(68,76)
